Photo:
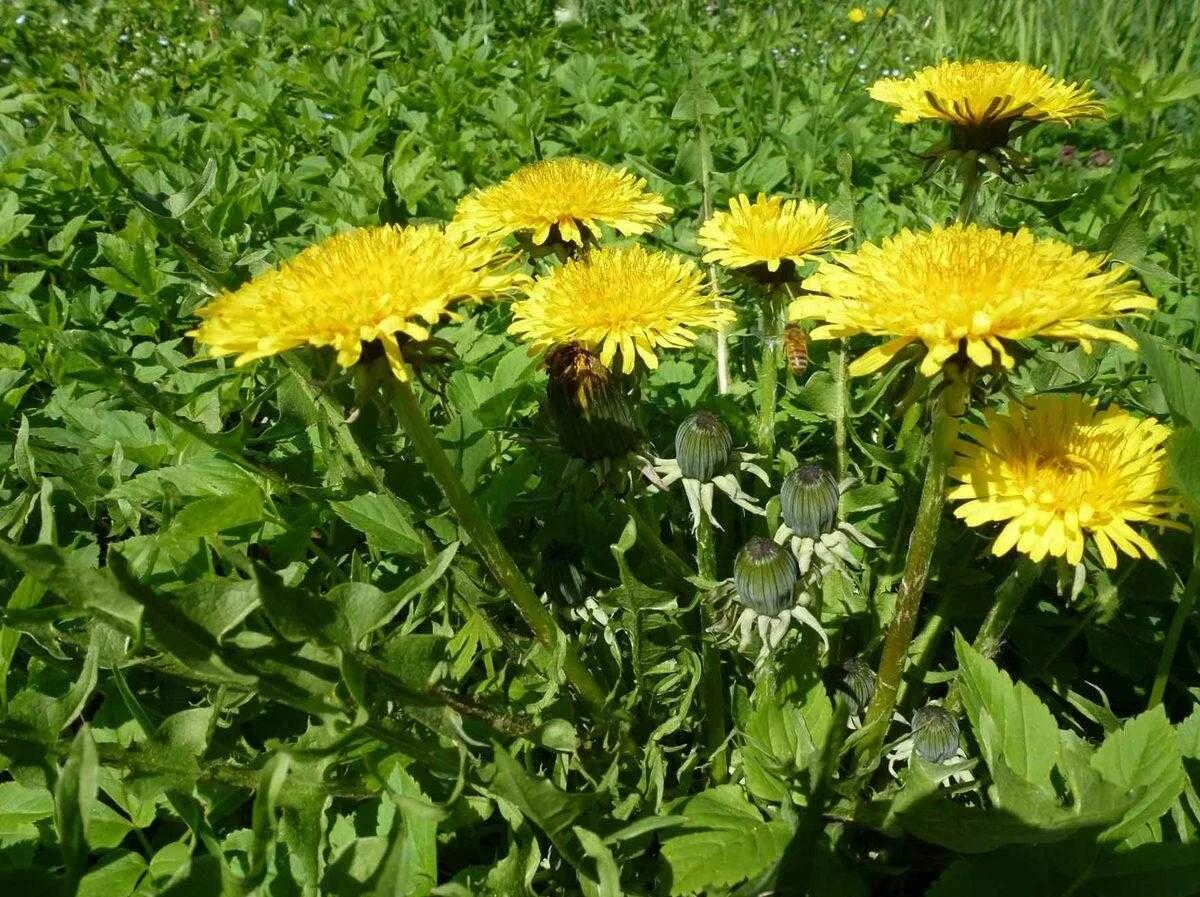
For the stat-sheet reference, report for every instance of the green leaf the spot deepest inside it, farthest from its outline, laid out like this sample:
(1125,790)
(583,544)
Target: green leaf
(608,873)
(410,868)
(383,520)
(1009,720)
(74,796)
(551,809)
(695,102)
(21,808)
(1164,870)
(72,578)
(116,875)
(264,814)
(1143,758)
(366,608)
(1183,467)
(723,841)
(1179,380)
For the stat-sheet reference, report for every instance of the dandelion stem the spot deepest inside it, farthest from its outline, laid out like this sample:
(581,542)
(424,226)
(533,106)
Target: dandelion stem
(869,743)
(489,546)
(1187,603)
(768,371)
(712,681)
(841,400)
(969,172)
(991,632)
(722,353)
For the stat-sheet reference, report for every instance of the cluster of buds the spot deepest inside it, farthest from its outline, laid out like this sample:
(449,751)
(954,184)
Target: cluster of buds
(776,582)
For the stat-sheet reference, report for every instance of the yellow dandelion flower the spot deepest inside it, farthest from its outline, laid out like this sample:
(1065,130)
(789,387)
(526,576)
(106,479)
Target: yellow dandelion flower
(360,285)
(623,299)
(979,93)
(561,197)
(966,288)
(770,231)
(1057,469)
(857,15)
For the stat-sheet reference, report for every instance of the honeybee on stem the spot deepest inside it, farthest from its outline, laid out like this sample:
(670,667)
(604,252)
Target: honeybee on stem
(795,349)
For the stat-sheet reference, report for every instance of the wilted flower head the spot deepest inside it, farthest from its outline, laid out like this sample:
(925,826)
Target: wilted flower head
(771,232)
(983,97)
(357,286)
(624,300)
(592,414)
(1056,469)
(969,289)
(568,198)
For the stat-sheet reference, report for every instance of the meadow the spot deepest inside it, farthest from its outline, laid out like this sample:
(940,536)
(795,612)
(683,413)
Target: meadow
(356,536)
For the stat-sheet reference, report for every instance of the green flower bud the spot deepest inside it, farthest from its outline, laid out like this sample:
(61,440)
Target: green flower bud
(702,446)
(809,501)
(860,683)
(590,410)
(764,575)
(935,733)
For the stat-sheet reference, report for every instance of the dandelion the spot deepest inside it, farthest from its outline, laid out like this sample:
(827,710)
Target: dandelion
(966,289)
(561,200)
(1056,469)
(362,285)
(981,100)
(771,233)
(857,15)
(625,300)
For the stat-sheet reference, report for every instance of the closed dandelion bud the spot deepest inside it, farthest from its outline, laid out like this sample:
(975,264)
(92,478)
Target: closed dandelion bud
(935,733)
(860,683)
(764,575)
(702,446)
(593,416)
(809,501)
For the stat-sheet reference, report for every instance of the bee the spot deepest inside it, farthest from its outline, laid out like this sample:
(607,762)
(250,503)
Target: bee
(795,347)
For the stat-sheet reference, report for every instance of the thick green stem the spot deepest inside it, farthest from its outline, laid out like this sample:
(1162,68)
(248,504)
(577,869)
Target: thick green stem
(1008,598)
(1187,604)
(722,353)
(768,371)
(991,632)
(869,743)
(969,171)
(841,401)
(489,546)
(922,648)
(712,682)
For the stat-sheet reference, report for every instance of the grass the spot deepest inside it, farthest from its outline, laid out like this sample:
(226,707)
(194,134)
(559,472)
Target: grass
(249,648)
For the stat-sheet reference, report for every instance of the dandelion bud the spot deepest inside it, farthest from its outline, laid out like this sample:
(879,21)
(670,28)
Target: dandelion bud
(590,410)
(702,446)
(764,575)
(809,501)
(860,683)
(935,733)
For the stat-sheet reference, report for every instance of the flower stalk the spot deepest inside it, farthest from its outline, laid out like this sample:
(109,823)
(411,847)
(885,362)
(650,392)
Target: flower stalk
(946,412)
(991,632)
(490,548)
(712,676)
(773,322)
(1187,603)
